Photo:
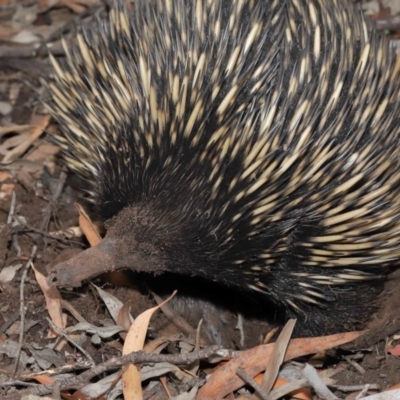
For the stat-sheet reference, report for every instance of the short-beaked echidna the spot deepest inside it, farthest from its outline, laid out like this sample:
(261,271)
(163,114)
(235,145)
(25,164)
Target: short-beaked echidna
(252,143)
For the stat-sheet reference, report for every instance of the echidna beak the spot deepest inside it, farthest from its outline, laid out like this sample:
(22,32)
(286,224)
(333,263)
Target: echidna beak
(87,264)
(111,254)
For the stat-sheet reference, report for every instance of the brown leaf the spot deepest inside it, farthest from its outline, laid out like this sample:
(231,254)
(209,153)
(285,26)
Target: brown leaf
(53,301)
(224,380)
(131,378)
(87,226)
(40,126)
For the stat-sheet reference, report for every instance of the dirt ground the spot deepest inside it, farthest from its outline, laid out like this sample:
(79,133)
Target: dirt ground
(39,226)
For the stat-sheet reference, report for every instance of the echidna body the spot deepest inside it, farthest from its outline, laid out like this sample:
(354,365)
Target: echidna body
(253,143)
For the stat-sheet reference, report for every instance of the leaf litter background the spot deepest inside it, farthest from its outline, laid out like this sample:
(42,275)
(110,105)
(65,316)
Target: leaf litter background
(79,337)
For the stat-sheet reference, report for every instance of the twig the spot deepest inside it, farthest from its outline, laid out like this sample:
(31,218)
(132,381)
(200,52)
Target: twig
(354,364)
(114,363)
(241,373)
(355,388)
(78,366)
(22,307)
(28,228)
(363,392)
(12,208)
(68,339)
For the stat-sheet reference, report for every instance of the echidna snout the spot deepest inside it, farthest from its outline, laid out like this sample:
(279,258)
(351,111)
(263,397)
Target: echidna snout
(255,144)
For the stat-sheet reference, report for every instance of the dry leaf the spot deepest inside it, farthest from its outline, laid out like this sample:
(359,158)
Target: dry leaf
(224,380)
(131,378)
(14,128)
(43,379)
(87,226)
(7,273)
(277,356)
(40,126)
(53,301)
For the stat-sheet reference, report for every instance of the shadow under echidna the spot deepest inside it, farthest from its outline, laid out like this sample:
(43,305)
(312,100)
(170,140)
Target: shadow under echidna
(250,143)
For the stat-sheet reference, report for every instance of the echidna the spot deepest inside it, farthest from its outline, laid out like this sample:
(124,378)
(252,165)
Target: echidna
(252,143)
